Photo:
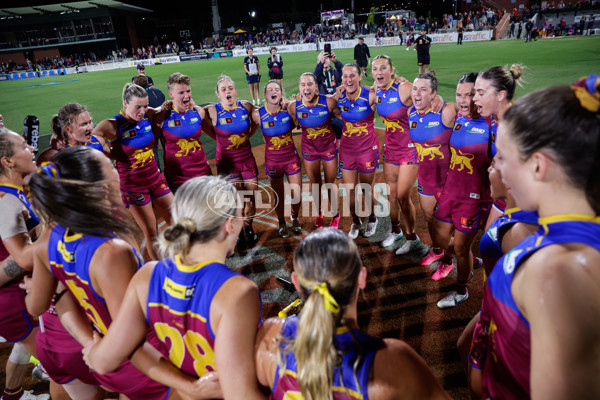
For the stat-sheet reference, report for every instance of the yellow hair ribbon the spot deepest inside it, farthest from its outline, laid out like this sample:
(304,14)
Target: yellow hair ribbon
(586,91)
(330,303)
(50,169)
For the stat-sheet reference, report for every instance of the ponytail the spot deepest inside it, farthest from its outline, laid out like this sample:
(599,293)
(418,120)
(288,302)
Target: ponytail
(70,192)
(327,265)
(316,355)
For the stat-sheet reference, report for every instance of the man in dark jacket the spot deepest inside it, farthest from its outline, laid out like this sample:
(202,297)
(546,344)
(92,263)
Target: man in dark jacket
(362,55)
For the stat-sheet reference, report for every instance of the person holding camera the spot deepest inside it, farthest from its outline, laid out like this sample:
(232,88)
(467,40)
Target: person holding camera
(275,64)
(328,78)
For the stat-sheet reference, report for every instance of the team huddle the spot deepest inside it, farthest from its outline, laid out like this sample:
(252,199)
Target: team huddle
(179,324)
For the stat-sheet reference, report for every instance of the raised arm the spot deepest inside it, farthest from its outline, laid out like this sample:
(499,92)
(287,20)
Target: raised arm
(106,129)
(250,108)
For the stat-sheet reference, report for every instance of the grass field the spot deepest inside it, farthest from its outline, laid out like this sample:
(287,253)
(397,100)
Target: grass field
(548,62)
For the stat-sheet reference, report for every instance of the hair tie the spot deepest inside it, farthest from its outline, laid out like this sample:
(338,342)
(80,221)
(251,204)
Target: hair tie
(330,303)
(50,169)
(586,91)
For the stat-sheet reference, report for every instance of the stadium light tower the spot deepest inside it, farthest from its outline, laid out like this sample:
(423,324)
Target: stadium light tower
(216,16)
(252,14)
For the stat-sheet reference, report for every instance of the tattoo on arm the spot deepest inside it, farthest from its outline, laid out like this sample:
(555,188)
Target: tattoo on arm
(13,270)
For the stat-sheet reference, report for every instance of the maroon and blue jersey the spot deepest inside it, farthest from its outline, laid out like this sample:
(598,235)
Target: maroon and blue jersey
(470,157)
(394,114)
(233,132)
(350,377)
(507,368)
(134,154)
(277,132)
(358,133)
(431,138)
(178,311)
(317,131)
(491,242)
(70,256)
(184,155)
(94,143)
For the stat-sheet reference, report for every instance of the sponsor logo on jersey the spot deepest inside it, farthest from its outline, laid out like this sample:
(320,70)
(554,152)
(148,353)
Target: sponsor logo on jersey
(177,290)
(413,124)
(476,130)
(129,134)
(379,100)
(457,127)
(174,123)
(193,120)
(268,124)
(432,124)
(346,108)
(304,115)
(225,121)
(392,100)
(362,108)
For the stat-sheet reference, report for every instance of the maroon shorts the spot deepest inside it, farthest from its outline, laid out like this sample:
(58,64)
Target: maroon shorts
(279,169)
(365,162)
(466,217)
(15,322)
(63,367)
(429,191)
(239,168)
(131,382)
(403,156)
(500,205)
(322,149)
(141,197)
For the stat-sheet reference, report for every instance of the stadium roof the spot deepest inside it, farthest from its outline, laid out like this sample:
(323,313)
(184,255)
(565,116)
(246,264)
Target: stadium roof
(71,7)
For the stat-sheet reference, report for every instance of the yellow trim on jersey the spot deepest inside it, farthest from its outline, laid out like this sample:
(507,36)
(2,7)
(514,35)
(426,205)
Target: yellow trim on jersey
(311,106)
(188,312)
(52,263)
(340,389)
(71,237)
(270,113)
(545,221)
(569,217)
(12,186)
(192,268)
(341,329)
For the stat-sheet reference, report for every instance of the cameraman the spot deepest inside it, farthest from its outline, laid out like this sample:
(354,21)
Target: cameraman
(328,78)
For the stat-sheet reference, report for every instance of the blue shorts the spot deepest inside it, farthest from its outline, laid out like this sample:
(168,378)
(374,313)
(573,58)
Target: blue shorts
(252,79)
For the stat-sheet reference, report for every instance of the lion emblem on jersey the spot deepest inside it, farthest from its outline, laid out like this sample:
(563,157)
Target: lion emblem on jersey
(277,142)
(141,156)
(236,141)
(461,160)
(185,146)
(358,130)
(312,133)
(428,151)
(392,126)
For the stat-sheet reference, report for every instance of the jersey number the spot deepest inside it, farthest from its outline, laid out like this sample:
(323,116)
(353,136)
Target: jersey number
(195,344)
(90,311)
